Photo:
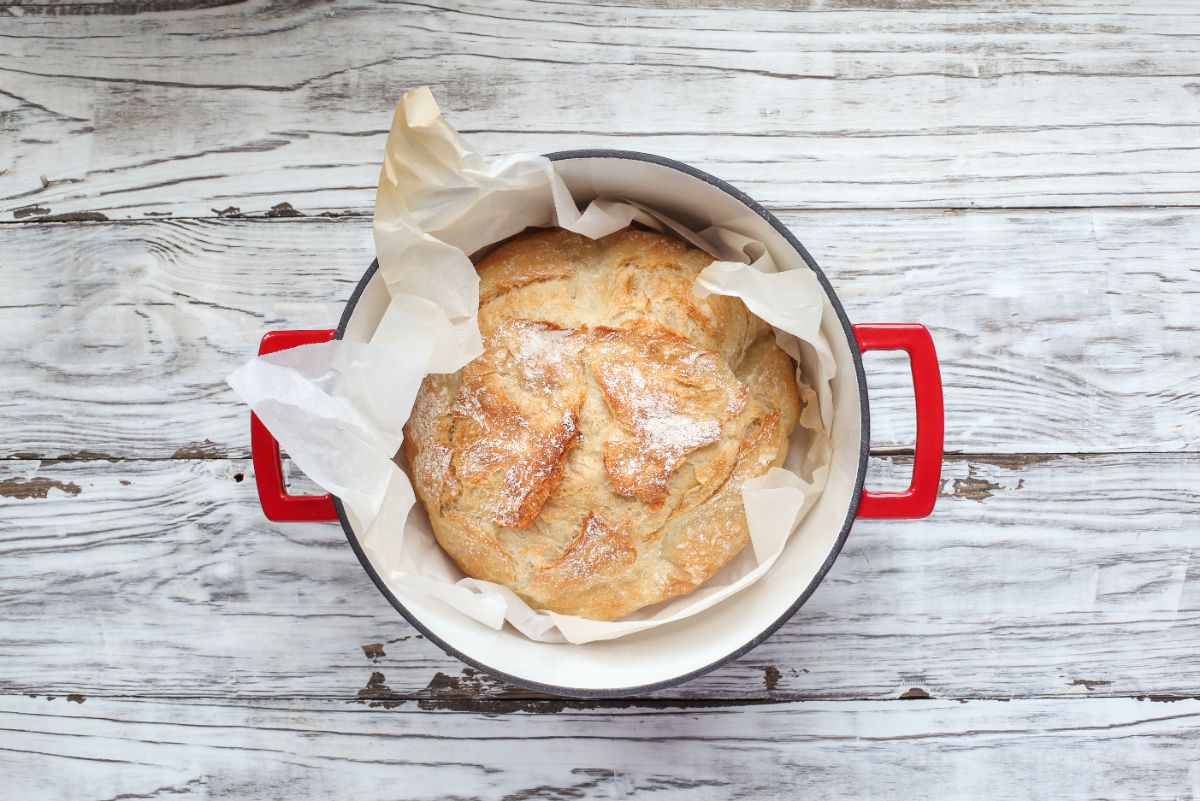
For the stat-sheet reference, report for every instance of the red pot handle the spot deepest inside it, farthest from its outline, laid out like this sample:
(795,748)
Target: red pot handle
(277,504)
(918,499)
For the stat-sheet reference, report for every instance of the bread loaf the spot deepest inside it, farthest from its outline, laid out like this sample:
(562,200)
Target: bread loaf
(592,458)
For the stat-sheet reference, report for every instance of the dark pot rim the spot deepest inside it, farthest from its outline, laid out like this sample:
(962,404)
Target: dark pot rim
(802,597)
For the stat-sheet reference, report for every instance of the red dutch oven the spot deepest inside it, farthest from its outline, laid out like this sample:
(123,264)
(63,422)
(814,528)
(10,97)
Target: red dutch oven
(675,652)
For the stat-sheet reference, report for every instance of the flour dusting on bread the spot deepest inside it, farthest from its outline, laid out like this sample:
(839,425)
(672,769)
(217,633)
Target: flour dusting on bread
(592,457)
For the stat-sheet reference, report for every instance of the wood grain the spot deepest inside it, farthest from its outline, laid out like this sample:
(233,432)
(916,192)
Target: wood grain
(161,166)
(1050,576)
(320,750)
(1067,331)
(125,113)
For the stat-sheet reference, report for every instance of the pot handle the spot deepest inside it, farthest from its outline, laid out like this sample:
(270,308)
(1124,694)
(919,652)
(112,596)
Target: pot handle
(277,504)
(918,499)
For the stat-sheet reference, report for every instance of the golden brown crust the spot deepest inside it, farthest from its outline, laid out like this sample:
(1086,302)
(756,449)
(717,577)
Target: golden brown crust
(523,261)
(592,458)
(598,556)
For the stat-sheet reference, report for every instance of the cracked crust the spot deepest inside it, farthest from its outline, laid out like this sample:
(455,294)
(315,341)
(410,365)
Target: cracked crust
(592,458)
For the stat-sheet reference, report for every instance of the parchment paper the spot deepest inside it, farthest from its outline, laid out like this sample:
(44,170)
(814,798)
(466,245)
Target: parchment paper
(339,408)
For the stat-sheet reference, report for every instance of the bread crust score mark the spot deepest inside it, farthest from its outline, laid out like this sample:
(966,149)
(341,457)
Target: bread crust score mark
(591,459)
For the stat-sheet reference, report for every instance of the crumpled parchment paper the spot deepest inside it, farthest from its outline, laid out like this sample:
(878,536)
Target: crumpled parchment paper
(339,408)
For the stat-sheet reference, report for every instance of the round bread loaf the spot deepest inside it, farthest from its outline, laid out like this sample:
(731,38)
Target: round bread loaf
(592,458)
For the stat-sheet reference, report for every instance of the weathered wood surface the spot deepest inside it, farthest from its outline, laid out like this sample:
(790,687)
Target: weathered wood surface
(176,643)
(1066,331)
(127,113)
(1116,748)
(1052,576)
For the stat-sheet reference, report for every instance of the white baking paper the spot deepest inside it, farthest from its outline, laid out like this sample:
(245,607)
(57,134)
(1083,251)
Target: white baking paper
(339,408)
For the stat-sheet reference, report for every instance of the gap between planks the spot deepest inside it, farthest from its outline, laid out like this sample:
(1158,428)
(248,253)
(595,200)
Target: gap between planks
(479,693)
(93,218)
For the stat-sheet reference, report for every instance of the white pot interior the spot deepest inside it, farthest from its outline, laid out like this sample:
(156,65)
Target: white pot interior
(674,650)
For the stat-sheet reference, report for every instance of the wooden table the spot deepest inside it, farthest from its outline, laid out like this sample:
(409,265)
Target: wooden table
(175,180)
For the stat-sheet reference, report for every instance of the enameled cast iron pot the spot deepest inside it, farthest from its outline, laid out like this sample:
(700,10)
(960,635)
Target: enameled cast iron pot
(676,652)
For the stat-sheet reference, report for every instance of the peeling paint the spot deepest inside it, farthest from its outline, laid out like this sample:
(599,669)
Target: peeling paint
(1013,461)
(37,487)
(200,450)
(283,210)
(972,488)
(73,216)
(477,692)
(378,694)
